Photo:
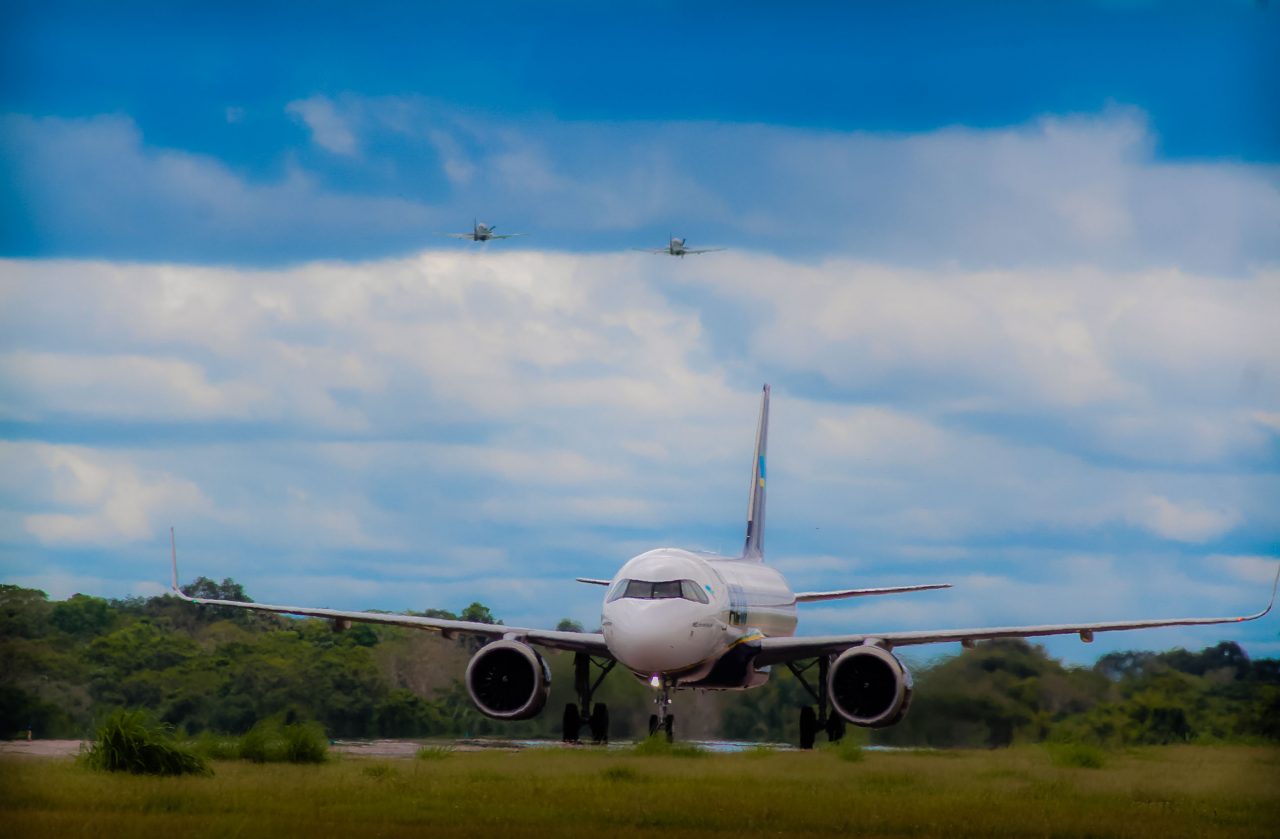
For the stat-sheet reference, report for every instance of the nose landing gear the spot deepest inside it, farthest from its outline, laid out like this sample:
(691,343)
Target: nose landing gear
(575,716)
(664,720)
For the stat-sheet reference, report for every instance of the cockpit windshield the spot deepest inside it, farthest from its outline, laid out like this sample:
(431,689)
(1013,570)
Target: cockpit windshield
(660,590)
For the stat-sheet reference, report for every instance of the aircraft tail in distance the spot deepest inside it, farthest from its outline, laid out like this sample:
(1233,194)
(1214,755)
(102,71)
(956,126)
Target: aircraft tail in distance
(754,547)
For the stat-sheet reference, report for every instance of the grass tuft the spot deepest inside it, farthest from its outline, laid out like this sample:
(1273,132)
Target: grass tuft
(434,753)
(621,773)
(1080,755)
(378,772)
(657,746)
(847,749)
(131,741)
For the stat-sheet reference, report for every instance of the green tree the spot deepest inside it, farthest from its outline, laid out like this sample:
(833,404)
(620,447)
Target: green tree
(479,613)
(83,615)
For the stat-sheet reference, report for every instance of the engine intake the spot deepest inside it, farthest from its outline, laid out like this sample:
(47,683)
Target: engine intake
(868,686)
(508,680)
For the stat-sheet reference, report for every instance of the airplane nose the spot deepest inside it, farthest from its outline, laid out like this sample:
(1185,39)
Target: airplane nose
(658,636)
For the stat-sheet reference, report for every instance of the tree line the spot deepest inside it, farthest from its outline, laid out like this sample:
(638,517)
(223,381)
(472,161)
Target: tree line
(68,663)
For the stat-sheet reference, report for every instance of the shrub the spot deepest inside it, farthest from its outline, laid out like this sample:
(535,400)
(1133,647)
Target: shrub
(130,741)
(272,742)
(216,747)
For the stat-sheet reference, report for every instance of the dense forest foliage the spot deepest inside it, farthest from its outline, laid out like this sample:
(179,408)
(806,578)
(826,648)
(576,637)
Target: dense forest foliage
(67,663)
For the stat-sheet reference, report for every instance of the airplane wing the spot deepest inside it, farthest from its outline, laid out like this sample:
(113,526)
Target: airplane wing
(471,236)
(840,594)
(702,250)
(506,235)
(579,642)
(591,581)
(652,250)
(780,649)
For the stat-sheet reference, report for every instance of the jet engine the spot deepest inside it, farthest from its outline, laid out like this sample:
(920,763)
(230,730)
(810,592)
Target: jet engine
(508,680)
(868,686)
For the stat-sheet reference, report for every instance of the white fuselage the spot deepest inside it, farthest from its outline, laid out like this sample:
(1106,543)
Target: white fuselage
(675,614)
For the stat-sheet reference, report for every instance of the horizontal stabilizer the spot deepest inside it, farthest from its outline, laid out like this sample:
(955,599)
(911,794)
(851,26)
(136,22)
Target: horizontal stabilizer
(841,594)
(592,582)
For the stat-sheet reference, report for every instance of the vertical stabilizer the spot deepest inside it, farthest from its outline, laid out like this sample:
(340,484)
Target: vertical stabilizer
(754,548)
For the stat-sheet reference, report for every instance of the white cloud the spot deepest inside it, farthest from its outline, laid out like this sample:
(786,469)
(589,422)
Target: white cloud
(77,496)
(329,129)
(1183,522)
(1253,569)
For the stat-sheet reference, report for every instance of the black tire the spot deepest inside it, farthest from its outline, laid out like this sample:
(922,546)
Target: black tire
(653,724)
(835,727)
(669,727)
(600,723)
(808,727)
(572,723)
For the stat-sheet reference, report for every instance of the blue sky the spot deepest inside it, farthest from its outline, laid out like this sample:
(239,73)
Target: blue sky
(1012,270)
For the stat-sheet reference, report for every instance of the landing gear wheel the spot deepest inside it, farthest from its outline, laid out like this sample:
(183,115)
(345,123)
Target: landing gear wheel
(668,726)
(600,723)
(835,727)
(572,723)
(808,727)
(653,724)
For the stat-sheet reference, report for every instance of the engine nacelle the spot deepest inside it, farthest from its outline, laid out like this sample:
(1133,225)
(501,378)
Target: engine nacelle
(508,680)
(868,686)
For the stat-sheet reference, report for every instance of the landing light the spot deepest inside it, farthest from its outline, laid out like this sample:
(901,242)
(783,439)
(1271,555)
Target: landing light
(655,681)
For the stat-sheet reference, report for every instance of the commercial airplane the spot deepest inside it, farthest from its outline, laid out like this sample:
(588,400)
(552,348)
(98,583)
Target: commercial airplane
(676,248)
(481,232)
(681,619)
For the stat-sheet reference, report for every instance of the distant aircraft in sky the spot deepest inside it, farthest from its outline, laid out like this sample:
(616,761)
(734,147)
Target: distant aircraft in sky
(679,619)
(481,232)
(676,248)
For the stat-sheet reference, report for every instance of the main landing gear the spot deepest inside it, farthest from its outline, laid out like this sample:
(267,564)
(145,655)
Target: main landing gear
(664,720)
(825,718)
(575,716)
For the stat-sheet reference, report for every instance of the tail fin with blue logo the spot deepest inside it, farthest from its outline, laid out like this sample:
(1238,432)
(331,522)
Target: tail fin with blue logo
(754,547)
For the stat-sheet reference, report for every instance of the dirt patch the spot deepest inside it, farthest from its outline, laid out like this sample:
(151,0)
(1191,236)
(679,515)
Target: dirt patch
(41,748)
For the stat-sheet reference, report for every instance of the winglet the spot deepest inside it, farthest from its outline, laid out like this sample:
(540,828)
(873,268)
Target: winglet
(173,555)
(1274,585)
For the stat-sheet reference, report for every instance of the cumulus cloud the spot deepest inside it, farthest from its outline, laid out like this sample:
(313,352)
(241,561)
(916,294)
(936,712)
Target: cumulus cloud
(69,495)
(329,129)
(1183,522)
(545,392)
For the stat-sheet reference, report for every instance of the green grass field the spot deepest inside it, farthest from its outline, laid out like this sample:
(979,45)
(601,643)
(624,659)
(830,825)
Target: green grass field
(1157,792)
